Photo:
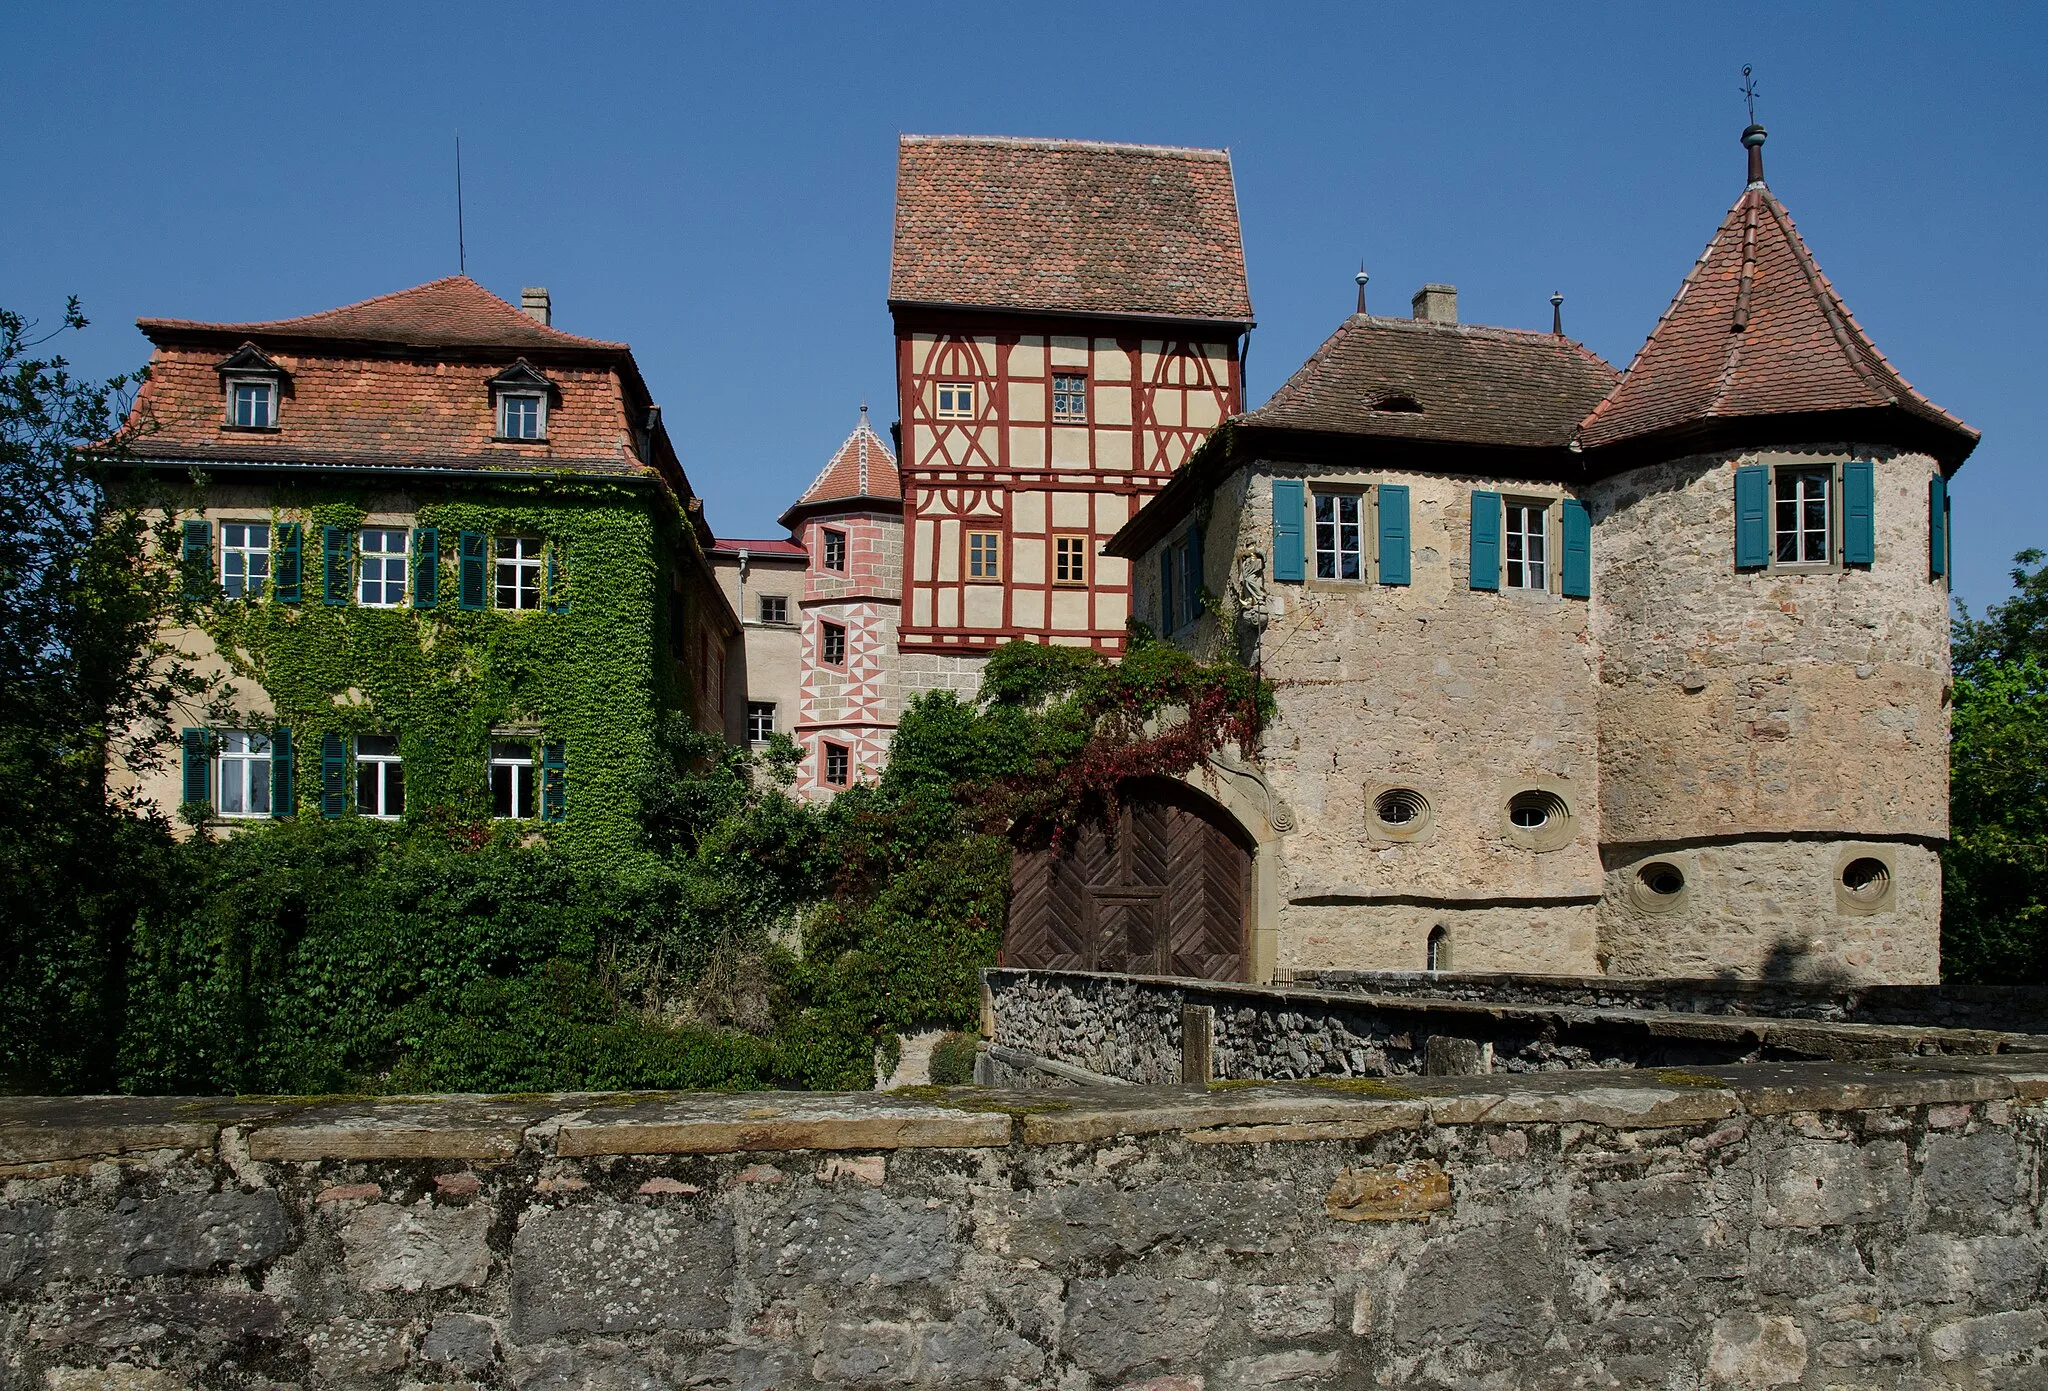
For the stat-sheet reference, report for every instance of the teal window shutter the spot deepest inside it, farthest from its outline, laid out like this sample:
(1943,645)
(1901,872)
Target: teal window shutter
(334,575)
(197,560)
(1191,572)
(1576,578)
(426,567)
(554,778)
(1859,513)
(283,794)
(289,584)
(1937,526)
(1393,509)
(1752,517)
(333,776)
(1288,508)
(558,577)
(470,571)
(198,765)
(1485,548)
(1166,605)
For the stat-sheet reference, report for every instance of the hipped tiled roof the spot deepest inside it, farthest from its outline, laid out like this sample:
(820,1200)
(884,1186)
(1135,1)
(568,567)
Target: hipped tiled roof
(1465,384)
(861,469)
(1756,330)
(452,313)
(1050,225)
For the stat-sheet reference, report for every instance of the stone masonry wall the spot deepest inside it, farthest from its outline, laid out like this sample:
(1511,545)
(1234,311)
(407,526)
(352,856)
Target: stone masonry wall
(1814,1225)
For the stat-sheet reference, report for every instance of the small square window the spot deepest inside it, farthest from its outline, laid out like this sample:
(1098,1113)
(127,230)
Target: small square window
(1340,536)
(1069,397)
(380,777)
(956,401)
(1803,530)
(242,777)
(381,582)
(522,417)
(775,608)
(244,559)
(1070,559)
(252,405)
(835,550)
(512,782)
(838,765)
(519,572)
(760,721)
(1526,541)
(984,555)
(832,641)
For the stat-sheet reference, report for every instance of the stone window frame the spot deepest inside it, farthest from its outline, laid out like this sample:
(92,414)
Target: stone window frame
(1834,471)
(1368,491)
(1552,501)
(827,536)
(780,612)
(826,630)
(760,721)
(831,752)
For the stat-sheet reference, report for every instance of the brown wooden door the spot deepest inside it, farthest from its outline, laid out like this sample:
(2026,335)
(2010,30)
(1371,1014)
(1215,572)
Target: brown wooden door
(1168,894)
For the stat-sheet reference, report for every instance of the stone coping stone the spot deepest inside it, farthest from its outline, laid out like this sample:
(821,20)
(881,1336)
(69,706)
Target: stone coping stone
(36,1130)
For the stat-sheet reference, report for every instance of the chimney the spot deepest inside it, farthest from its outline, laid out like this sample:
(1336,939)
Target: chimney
(1436,303)
(533,300)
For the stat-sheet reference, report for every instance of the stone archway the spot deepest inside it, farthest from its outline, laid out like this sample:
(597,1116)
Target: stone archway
(1169,894)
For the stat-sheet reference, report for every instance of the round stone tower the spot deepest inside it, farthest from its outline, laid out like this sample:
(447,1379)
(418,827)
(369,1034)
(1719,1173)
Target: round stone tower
(1770,602)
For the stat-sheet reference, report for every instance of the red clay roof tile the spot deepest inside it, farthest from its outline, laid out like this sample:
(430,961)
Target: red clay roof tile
(452,313)
(862,467)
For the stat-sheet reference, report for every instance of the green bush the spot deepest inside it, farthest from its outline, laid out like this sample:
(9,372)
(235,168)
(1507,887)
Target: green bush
(953,1060)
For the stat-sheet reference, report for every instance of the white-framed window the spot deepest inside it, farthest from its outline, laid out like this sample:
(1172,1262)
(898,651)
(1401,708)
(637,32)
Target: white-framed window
(1525,543)
(838,765)
(835,549)
(380,581)
(956,401)
(1070,560)
(242,774)
(760,721)
(512,781)
(1069,397)
(244,559)
(1802,529)
(1340,536)
(832,642)
(519,560)
(522,415)
(380,777)
(984,555)
(252,403)
(774,608)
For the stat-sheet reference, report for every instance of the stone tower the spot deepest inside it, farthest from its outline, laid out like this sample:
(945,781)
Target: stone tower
(1770,565)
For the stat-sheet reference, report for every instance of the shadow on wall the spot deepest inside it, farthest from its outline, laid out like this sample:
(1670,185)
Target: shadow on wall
(1787,960)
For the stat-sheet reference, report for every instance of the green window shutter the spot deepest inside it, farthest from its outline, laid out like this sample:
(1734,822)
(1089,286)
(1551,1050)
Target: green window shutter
(426,568)
(333,776)
(1288,553)
(1576,578)
(1166,561)
(1859,513)
(289,584)
(334,575)
(554,778)
(558,577)
(1937,526)
(1752,517)
(470,576)
(198,765)
(1485,548)
(1191,572)
(1393,510)
(283,796)
(197,560)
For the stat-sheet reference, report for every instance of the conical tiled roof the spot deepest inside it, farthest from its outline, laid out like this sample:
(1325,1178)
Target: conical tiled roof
(455,312)
(1757,332)
(861,468)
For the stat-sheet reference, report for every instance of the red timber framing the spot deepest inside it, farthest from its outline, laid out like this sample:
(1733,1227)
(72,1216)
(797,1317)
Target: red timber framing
(1006,465)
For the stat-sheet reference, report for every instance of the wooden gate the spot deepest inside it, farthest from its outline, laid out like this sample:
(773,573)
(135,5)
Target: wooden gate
(1168,894)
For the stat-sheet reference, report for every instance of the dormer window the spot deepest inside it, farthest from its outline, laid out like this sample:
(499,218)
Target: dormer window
(520,396)
(252,405)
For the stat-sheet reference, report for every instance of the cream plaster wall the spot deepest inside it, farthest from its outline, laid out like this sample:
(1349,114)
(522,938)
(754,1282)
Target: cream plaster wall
(774,651)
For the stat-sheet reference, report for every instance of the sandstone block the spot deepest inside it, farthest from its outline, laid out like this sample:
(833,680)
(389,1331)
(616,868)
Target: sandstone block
(1994,1337)
(1748,1350)
(1820,1185)
(1124,1323)
(116,1376)
(1497,1287)
(1087,1229)
(1292,1311)
(1977,1173)
(975,1349)
(855,1239)
(388,1247)
(1391,1193)
(618,1269)
(1295,1367)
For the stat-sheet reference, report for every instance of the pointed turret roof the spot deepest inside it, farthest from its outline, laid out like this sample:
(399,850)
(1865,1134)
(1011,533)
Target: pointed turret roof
(860,474)
(1757,347)
(454,312)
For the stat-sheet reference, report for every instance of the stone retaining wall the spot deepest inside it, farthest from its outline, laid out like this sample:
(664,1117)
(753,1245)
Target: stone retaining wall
(1135,1028)
(1842,1224)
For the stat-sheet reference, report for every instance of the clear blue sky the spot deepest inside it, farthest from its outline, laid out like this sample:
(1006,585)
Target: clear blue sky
(714,185)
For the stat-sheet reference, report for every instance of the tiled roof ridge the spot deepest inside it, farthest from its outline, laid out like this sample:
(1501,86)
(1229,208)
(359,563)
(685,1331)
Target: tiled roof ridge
(1026,142)
(860,440)
(311,325)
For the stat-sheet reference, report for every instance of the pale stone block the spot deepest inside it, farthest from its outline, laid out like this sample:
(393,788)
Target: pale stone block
(1027,400)
(1069,352)
(1070,609)
(1027,446)
(984,606)
(1070,447)
(1070,511)
(1749,1350)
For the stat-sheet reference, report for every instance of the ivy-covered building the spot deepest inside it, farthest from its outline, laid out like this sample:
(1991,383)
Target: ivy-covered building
(448,558)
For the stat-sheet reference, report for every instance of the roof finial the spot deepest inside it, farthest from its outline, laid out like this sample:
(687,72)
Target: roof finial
(1557,312)
(1753,134)
(1361,277)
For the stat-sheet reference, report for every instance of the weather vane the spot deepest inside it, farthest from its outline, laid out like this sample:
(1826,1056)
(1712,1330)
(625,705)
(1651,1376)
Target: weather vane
(1749,92)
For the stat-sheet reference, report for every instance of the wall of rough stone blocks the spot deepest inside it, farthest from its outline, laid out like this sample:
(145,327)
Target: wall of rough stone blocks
(1821,1226)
